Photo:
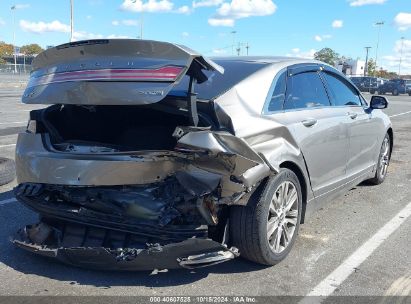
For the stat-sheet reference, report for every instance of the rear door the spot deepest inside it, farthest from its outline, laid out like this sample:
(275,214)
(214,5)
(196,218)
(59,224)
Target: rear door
(363,127)
(320,130)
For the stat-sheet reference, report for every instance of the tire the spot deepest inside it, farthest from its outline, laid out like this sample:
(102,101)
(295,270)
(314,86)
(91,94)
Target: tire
(7,170)
(409,93)
(395,92)
(372,92)
(383,161)
(249,224)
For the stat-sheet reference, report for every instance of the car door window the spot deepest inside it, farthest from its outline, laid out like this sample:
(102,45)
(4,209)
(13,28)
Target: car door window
(305,90)
(342,93)
(277,98)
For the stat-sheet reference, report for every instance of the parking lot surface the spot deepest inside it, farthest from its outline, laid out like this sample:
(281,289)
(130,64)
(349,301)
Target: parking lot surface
(347,246)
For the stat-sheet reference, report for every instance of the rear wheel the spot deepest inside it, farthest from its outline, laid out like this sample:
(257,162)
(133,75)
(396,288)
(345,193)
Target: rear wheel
(383,161)
(265,230)
(395,92)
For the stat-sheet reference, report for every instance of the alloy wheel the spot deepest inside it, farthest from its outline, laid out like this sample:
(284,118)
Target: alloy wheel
(282,217)
(384,157)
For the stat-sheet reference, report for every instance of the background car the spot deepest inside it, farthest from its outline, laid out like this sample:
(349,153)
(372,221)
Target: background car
(161,158)
(396,87)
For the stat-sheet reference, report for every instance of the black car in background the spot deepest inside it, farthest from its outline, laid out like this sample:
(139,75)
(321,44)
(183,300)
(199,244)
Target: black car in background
(396,87)
(368,84)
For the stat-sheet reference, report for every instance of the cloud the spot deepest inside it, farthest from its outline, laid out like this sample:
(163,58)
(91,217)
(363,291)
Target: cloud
(126,22)
(207,3)
(366,2)
(183,10)
(320,38)
(21,6)
(42,27)
(185,34)
(337,24)
(2,22)
(220,51)
(221,22)
(401,50)
(403,21)
(89,17)
(150,6)
(228,12)
(114,36)
(297,53)
(82,35)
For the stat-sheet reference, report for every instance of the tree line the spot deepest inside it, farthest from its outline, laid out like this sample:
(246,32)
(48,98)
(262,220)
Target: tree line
(331,57)
(6,50)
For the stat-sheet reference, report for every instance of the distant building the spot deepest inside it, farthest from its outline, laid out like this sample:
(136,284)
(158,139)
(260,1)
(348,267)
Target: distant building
(352,67)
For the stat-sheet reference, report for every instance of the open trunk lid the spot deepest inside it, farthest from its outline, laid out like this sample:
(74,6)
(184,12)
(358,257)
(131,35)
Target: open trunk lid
(112,72)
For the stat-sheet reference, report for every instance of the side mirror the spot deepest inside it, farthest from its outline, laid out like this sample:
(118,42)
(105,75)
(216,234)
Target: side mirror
(378,102)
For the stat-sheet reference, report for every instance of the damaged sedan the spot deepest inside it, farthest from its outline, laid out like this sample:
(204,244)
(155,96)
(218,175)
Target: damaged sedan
(151,156)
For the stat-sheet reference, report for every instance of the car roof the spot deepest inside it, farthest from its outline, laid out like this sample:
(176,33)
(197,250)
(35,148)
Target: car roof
(265,59)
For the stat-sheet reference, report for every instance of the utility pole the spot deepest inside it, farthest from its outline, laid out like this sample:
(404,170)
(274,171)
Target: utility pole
(238,49)
(367,48)
(402,46)
(13,11)
(232,45)
(379,24)
(247,47)
(71,21)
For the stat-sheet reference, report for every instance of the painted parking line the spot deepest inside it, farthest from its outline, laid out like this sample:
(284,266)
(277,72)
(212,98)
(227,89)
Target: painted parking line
(5,146)
(327,286)
(400,114)
(7,201)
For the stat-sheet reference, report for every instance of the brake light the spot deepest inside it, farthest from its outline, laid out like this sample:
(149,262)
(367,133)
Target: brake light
(169,73)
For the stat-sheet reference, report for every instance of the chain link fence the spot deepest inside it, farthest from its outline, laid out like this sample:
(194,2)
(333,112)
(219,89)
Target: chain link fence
(14,77)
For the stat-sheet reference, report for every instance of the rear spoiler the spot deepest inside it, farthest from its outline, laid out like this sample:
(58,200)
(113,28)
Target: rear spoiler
(113,72)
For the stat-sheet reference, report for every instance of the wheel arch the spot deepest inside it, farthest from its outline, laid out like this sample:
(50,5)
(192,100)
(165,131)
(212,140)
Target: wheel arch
(300,175)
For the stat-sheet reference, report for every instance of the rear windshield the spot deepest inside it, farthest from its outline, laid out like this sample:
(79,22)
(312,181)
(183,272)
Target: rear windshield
(217,84)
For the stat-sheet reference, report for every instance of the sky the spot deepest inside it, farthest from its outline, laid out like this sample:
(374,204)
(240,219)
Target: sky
(294,28)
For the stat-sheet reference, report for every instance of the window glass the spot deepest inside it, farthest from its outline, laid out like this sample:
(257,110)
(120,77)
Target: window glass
(277,99)
(306,90)
(217,84)
(341,92)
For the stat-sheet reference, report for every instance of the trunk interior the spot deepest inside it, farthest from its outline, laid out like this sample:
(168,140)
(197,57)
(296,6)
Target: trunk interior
(121,128)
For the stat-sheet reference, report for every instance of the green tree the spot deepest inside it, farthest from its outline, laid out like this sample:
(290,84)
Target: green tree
(31,49)
(5,50)
(371,67)
(327,55)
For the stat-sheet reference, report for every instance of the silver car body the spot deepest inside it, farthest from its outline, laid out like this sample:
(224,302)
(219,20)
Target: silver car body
(330,156)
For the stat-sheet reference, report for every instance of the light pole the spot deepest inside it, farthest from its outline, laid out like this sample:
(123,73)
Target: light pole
(13,8)
(399,66)
(232,45)
(71,21)
(379,24)
(367,48)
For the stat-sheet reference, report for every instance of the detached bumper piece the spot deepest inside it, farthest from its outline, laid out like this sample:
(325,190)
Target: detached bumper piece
(103,249)
(103,232)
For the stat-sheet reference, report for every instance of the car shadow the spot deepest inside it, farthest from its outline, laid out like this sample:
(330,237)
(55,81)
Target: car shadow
(15,216)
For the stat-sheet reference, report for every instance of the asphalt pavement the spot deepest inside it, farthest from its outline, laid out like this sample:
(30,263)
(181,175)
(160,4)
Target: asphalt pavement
(358,245)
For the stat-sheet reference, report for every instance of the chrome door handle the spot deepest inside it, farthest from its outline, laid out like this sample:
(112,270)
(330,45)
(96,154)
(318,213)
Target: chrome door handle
(352,115)
(309,122)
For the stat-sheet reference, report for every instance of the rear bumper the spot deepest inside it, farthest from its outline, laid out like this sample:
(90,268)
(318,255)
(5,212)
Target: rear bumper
(83,237)
(191,253)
